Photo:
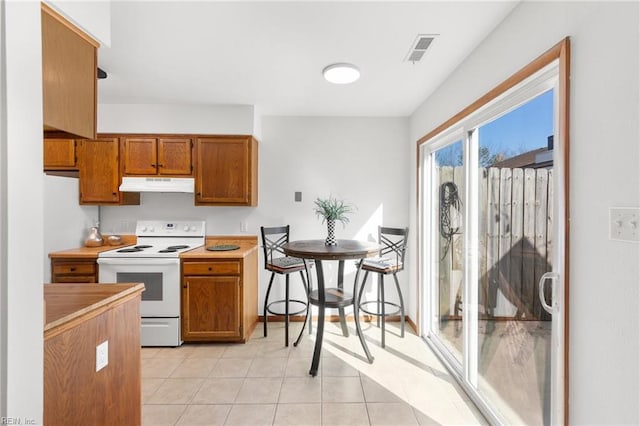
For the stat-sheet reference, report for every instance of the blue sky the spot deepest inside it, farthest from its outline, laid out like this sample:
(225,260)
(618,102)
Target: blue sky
(521,130)
(524,129)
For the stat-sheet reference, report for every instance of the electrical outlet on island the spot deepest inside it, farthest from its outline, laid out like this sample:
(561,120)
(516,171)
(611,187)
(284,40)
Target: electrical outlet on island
(102,355)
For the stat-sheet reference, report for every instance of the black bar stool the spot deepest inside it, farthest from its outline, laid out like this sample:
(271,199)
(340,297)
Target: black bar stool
(275,261)
(390,262)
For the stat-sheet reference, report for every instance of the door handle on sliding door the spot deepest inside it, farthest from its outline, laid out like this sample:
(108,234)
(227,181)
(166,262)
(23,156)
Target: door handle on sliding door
(547,276)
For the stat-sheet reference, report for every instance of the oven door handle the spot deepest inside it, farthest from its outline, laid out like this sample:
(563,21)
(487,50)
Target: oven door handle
(138,261)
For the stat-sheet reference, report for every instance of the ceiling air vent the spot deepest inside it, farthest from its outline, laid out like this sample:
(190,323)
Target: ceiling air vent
(419,47)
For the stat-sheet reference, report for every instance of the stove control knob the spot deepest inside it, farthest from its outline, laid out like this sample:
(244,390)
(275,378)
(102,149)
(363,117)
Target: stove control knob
(143,229)
(151,229)
(193,228)
(186,228)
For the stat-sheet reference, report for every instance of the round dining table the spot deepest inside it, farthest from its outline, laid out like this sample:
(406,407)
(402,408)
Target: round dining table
(337,298)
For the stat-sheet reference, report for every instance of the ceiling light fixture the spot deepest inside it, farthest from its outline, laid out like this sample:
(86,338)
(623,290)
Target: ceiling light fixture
(341,73)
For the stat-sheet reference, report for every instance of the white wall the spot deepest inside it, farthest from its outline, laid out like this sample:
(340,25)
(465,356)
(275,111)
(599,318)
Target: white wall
(604,339)
(94,17)
(66,223)
(22,213)
(363,160)
(141,118)
(3,221)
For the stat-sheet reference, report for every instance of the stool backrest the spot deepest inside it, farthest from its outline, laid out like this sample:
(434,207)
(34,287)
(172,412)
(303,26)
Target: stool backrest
(273,238)
(394,243)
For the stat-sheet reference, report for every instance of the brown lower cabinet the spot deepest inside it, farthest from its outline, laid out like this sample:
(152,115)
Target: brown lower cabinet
(219,299)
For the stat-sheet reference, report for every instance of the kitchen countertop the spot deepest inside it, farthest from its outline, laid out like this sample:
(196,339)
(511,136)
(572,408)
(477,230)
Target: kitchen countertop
(67,305)
(92,252)
(247,243)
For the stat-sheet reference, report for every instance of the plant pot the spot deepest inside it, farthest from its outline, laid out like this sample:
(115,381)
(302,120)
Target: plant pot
(331,233)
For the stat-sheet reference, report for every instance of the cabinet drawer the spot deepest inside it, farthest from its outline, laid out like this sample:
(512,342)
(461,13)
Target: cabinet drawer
(211,268)
(74,268)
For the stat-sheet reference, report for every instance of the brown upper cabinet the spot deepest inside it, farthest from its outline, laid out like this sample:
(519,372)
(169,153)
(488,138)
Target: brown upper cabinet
(226,171)
(60,155)
(69,71)
(98,162)
(150,156)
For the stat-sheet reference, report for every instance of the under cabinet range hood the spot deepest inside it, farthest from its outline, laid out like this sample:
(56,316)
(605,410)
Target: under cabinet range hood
(156,184)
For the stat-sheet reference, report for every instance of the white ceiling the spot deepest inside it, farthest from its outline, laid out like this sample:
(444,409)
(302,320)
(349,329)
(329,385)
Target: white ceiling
(271,54)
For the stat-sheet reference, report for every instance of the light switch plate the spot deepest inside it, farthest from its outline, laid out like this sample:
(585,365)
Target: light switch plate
(102,355)
(624,223)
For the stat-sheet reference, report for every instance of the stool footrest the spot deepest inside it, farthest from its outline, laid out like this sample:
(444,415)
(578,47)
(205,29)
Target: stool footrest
(379,314)
(300,302)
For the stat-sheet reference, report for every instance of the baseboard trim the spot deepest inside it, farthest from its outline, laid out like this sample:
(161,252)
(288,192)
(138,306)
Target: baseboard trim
(336,318)
(411,324)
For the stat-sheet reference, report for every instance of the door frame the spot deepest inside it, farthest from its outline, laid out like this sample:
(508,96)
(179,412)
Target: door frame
(560,53)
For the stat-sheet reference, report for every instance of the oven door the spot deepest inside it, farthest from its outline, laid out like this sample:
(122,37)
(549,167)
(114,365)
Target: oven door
(161,278)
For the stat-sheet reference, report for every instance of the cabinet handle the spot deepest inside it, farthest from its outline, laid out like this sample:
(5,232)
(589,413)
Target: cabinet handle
(153,165)
(160,165)
(72,269)
(210,268)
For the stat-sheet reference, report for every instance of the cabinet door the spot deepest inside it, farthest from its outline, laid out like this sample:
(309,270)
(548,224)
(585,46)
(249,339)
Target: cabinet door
(59,154)
(69,71)
(211,307)
(225,171)
(174,156)
(140,156)
(98,164)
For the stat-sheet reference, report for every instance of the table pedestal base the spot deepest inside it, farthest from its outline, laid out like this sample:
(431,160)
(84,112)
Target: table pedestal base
(322,304)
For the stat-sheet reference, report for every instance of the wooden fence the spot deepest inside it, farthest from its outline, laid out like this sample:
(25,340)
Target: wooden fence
(515,241)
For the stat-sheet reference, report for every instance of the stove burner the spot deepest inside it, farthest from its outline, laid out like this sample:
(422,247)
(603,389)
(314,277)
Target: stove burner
(129,250)
(144,246)
(167,250)
(178,247)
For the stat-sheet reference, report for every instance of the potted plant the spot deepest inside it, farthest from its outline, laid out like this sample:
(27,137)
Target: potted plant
(332,210)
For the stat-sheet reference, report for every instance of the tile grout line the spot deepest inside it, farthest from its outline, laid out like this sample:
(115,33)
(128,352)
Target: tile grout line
(364,398)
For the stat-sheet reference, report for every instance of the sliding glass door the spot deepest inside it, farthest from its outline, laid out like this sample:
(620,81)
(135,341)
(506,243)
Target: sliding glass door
(448,243)
(492,252)
(515,249)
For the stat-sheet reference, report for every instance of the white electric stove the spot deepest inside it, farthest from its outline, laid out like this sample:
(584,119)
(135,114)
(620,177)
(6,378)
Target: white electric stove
(154,261)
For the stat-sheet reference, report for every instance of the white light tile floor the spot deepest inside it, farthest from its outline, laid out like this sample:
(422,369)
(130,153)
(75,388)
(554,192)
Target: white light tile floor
(263,382)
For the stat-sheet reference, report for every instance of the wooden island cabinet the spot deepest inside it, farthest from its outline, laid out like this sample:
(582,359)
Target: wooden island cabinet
(78,388)
(220,292)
